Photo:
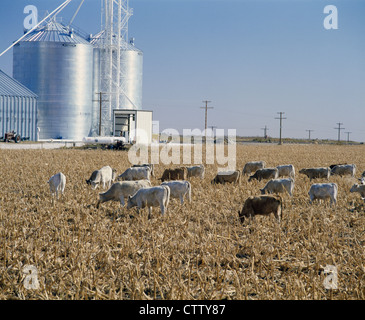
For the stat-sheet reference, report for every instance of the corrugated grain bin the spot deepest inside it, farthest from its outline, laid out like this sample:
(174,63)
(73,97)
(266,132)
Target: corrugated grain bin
(57,64)
(18,108)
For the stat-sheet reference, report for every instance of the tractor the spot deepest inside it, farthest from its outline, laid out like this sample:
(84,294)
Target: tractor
(12,136)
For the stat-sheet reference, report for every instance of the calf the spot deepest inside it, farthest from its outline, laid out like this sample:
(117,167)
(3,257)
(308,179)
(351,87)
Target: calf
(57,184)
(227,177)
(344,169)
(286,170)
(261,205)
(252,166)
(150,197)
(322,191)
(196,171)
(359,188)
(136,173)
(265,173)
(150,165)
(105,175)
(179,189)
(279,186)
(175,174)
(314,173)
(334,165)
(120,190)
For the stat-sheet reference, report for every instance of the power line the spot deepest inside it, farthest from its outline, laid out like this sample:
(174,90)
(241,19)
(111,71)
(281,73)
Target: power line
(281,124)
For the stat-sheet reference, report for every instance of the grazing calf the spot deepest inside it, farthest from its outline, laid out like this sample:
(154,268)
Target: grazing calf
(57,184)
(179,189)
(314,173)
(252,166)
(322,191)
(261,205)
(150,197)
(334,165)
(175,174)
(136,173)
(265,173)
(287,170)
(120,190)
(105,175)
(227,177)
(360,189)
(344,170)
(362,178)
(279,186)
(196,171)
(150,165)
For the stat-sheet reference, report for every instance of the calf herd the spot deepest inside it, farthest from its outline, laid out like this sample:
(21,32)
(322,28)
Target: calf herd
(134,185)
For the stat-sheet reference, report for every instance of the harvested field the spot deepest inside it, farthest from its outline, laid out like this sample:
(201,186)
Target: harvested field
(196,251)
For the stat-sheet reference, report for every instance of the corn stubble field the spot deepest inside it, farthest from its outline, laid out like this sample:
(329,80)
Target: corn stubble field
(196,251)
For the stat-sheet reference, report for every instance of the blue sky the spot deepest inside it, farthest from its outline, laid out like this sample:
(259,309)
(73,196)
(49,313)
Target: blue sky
(250,58)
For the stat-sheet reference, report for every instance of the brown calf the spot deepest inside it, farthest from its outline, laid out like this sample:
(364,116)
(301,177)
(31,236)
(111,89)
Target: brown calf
(261,205)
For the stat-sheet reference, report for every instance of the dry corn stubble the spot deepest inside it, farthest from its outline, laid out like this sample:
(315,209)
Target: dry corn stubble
(196,251)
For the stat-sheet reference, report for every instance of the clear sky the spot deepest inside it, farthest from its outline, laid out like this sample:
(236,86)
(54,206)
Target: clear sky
(250,58)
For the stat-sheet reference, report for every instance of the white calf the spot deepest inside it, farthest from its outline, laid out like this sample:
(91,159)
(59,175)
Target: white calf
(252,166)
(360,189)
(136,173)
(120,190)
(105,175)
(196,171)
(279,186)
(179,189)
(57,183)
(286,170)
(150,197)
(323,191)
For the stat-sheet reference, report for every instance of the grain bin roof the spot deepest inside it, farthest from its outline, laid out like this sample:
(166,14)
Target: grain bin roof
(11,87)
(54,32)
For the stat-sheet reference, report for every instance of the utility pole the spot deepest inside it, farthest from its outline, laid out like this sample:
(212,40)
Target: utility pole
(100,105)
(309,137)
(212,128)
(206,116)
(265,131)
(348,136)
(339,130)
(281,124)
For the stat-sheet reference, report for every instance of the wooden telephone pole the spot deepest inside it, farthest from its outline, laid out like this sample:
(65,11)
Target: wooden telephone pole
(339,130)
(265,131)
(206,116)
(309,131)
(281,124)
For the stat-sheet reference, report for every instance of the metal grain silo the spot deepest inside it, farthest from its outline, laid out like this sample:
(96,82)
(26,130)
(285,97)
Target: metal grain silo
(119,79)
(132,64)
(57,64)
